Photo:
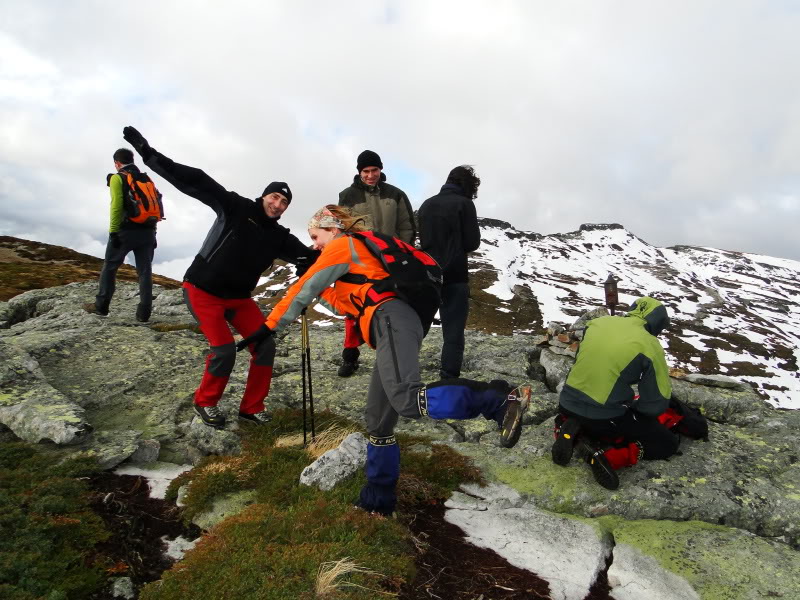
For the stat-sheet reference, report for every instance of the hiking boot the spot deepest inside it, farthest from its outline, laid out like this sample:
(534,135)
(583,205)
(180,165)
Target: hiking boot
(211,416)
(259,418)
(565,441)
(101,307)
(347,368)
(603,473)
(143,313)
(516,405)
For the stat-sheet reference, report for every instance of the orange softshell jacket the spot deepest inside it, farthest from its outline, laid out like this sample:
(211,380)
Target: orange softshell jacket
(341,255)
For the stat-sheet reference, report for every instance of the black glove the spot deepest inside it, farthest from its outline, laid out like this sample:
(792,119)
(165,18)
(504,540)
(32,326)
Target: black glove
(304,262)
(136,139)
(256,338)
(114,239)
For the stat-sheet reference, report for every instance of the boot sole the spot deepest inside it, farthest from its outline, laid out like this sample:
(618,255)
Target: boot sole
(253,421)
(603,473)
(512,423)
(564,444)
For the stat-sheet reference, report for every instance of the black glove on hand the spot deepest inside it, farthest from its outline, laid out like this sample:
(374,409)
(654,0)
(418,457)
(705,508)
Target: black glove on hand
(256,338)
(114,239)
(136,139)
(305,262)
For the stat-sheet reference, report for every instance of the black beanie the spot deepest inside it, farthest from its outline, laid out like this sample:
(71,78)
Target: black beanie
(280,187)
(368,158)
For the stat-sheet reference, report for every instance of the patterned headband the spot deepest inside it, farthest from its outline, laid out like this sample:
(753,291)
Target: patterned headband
(325,218)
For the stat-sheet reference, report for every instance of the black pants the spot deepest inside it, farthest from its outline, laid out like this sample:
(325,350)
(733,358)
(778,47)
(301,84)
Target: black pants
(453,314)
(142,242)
(657,441)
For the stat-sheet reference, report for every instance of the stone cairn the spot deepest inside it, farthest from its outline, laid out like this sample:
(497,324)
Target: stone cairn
(564,339)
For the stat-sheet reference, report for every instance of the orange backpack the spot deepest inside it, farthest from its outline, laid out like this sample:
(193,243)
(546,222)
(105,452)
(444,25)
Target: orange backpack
(141,199)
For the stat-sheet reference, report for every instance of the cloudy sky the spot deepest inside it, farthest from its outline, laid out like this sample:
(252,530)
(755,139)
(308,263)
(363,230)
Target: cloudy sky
(679,119)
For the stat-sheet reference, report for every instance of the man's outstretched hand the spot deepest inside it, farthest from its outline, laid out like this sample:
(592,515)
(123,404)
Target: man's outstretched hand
(256,338)
(136,139)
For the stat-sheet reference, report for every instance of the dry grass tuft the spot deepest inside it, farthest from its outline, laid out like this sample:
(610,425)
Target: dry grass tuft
(294,440)
(240,465)
(328,439)
(330,572)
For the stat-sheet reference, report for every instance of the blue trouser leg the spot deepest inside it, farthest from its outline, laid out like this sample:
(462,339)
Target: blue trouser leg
(464,399)
(383,470)
(397,389)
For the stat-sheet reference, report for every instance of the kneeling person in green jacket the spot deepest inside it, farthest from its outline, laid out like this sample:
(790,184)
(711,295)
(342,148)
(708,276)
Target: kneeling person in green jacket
(598,411)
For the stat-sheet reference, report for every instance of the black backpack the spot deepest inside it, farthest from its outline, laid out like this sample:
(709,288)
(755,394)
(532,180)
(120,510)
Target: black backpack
(414,276)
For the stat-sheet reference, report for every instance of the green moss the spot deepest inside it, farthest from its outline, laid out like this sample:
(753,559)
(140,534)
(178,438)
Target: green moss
(556,485)
(48,531)
(720,563)
(274,547)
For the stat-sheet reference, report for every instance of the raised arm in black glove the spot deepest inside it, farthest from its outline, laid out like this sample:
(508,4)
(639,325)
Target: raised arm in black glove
(304,262)
(136,139)
(256,338)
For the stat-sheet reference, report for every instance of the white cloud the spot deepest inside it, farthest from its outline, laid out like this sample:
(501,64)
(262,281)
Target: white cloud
(680,121)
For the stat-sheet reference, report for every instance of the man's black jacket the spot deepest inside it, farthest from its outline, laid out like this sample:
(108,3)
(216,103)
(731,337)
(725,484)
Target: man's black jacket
(242,242)
(448,229)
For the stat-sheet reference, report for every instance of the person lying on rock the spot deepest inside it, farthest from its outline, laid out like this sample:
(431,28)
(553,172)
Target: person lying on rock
(390,326)
(242,243)
(617,428)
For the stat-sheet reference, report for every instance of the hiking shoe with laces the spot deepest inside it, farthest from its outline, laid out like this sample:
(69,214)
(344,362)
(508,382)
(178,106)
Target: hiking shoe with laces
(516,405)
(565,442)
(259,418)
(347,368)
(211,416)
(601,469)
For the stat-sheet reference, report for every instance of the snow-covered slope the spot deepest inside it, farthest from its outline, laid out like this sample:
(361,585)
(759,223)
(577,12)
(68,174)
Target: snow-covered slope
(732,313)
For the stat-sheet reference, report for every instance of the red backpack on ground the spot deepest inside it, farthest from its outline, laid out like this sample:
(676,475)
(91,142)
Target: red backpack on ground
(414,276)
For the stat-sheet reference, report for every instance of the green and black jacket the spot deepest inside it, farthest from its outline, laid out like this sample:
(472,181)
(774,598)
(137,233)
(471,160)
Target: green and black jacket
(387,207)
(617,352)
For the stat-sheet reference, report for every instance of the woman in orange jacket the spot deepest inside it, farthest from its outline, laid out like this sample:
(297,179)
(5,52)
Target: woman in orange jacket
(394,330)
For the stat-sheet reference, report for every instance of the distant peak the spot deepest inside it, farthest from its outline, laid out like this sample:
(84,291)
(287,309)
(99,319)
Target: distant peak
(599,226)
(487,222)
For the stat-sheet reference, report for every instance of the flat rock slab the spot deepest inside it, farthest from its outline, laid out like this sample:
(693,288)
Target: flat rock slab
(46,416)
(567,553)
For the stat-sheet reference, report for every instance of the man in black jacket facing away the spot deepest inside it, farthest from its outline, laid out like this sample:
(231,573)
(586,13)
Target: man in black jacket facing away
(241,244)
(448,229)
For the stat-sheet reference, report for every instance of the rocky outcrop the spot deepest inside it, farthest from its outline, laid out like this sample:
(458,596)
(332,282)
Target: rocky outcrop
(132,383)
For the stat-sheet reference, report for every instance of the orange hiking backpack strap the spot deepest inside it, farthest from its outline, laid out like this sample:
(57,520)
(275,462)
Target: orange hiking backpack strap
(413,275)
(141,199)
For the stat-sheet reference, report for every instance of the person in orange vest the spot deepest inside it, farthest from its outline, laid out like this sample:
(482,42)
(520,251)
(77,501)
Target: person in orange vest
(394,330)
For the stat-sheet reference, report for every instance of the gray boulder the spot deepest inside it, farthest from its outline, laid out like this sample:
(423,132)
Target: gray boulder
(557,367)
(337,464)
(45,415)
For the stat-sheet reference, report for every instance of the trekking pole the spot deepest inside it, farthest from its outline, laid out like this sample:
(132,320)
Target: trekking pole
(308,366)
(303,365)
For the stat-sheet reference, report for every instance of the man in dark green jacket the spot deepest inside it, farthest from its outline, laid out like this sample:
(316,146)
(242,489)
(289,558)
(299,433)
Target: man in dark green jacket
(617,427)
(388,211)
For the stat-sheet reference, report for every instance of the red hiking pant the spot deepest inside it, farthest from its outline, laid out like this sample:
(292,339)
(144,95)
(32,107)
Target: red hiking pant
(213,314)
